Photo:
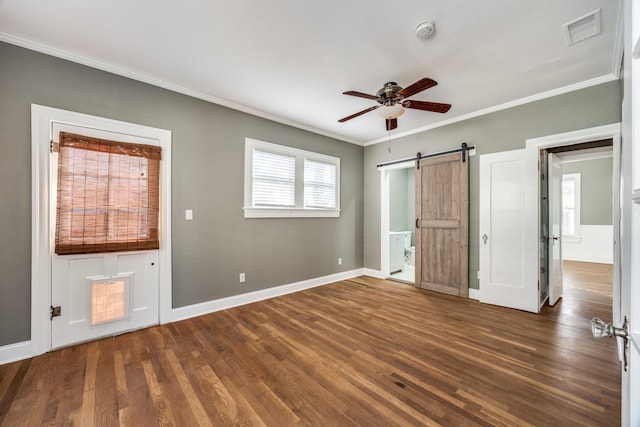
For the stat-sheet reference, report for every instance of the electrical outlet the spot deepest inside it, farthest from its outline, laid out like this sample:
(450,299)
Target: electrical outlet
(339,261)
(242,278)
(188,215)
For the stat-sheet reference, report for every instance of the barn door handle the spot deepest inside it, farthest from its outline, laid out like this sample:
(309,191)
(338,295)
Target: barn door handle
(417,222)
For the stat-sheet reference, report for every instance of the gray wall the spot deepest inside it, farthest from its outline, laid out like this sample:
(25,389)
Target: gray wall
(596,192)
(402,196)
(500,131)
(207,160)
(398,200)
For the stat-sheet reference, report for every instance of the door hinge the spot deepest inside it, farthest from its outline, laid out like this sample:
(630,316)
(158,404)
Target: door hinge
(55,311)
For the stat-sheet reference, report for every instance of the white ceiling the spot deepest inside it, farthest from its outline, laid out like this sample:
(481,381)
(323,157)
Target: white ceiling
(290,60)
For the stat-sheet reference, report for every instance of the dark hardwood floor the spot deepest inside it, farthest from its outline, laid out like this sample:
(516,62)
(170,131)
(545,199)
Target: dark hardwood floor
(362,352)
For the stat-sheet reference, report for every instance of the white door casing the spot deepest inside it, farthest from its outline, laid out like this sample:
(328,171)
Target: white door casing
(503,234)
(555,228)
(43,120)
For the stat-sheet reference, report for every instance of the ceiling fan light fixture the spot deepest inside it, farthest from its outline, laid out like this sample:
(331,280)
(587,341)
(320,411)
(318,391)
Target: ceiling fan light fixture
(390,111)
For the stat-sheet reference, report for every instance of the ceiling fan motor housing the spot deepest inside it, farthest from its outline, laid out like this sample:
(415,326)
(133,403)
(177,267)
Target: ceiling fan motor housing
(387,95)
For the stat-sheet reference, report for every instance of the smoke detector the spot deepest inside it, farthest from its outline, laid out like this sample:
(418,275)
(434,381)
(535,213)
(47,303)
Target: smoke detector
(425,29)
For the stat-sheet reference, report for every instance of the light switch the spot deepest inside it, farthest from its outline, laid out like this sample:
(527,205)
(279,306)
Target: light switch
(188,214)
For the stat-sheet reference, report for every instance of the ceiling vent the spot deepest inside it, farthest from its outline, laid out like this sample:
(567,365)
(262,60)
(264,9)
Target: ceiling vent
(582,28)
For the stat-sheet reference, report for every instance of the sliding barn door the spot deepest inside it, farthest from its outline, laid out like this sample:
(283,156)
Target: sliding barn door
(442,225)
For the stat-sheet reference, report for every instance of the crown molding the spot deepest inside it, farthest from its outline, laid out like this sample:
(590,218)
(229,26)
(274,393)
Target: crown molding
(155,81)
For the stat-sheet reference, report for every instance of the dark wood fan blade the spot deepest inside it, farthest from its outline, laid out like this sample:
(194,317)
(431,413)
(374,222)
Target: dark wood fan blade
(359,113)
(419,86)
(359,94)
(392,124)
(436,107)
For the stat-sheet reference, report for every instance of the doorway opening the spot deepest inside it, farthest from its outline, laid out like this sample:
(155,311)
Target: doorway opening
(402,188)
(398,219)
(577,200)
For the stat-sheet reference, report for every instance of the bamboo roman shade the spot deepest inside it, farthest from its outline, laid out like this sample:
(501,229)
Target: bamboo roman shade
(107,196)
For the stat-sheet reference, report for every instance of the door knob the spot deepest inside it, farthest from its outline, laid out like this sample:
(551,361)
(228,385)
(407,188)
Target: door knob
(600,329)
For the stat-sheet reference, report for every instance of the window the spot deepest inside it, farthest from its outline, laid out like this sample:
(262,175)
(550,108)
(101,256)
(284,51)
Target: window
(282,181)
(107,196)
(571,206)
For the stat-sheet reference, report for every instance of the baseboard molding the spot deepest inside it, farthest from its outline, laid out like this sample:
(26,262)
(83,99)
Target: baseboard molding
(14,352)
(590,258)
(194,310)
(373,273)
(474,294)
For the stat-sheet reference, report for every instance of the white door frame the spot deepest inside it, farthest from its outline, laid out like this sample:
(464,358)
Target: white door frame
(42,118)
(532,156)
(384,213)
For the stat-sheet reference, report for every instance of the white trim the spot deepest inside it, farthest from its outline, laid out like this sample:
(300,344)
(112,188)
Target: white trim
(42,119)
(588,155)
(532,155)
(526,100)
(474,294)
(155,81)
(14,352)
(152,80)
(194,310)
(290,213)
(373,273)
(384,213)
(300,156)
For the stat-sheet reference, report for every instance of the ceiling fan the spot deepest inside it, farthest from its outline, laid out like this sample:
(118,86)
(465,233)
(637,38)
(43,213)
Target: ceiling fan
(393,100)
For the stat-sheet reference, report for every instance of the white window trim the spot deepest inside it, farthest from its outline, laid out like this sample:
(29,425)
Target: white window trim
(299,211)
(576,236)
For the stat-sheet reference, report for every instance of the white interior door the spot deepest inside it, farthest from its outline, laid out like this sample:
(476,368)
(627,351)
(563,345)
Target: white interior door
(97,295)
(630,231)
(555,228)
(503,225)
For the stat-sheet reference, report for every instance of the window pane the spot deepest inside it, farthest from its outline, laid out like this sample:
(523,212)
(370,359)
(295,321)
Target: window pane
(568,193)
(273,179)
(568,206)
(319,185)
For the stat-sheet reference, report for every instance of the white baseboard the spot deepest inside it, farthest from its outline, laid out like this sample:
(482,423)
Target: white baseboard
(373,273)
(474,294)
(14,352)
(189,311)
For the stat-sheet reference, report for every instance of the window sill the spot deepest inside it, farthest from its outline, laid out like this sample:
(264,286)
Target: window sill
(290,213)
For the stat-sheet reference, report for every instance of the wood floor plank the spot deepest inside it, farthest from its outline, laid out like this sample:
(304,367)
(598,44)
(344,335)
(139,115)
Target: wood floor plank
(356,352)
